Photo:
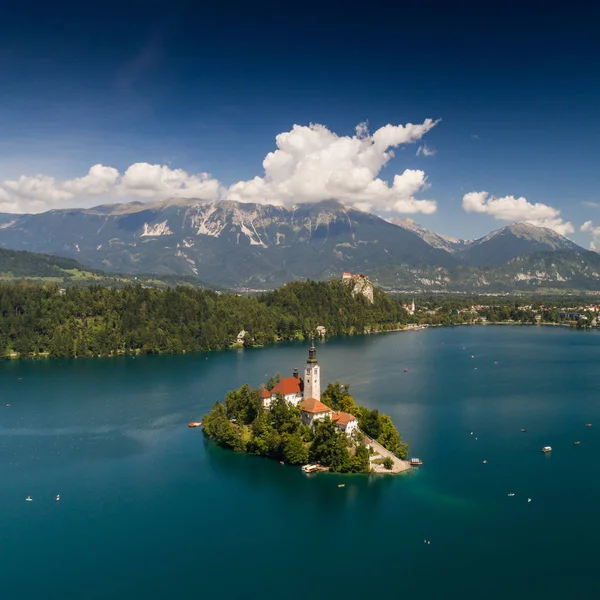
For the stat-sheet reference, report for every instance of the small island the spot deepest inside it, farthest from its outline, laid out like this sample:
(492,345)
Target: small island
(288,419)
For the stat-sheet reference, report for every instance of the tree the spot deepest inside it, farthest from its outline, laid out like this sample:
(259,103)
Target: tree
(369,423)
(388,463)
(273,381)
(243,404)
(337,396)
(360,460)
(265,440)
(330,446)
(294,450)
(333,395)
(347,404)
(390,438)
(218,427)
(285,418)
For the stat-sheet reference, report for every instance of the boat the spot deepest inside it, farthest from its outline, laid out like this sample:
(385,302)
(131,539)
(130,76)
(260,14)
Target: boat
(281,462)
(577,443)
(406,370)
(341,485)
(415,462)
(528,499)
(523,430)
(588,424)
(485,462)
(57,497)
(28,499)
(511,495)
(547,449)
(195,424)
(310,468)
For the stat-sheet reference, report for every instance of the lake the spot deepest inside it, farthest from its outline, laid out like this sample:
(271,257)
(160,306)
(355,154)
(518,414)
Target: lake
(149,509)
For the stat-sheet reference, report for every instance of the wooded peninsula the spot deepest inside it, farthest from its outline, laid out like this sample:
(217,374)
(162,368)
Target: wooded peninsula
(45,320)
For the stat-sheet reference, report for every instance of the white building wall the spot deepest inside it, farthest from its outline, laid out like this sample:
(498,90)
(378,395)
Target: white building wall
(321,416)
(293,399)
(351,427)
(312,381)
(310,418)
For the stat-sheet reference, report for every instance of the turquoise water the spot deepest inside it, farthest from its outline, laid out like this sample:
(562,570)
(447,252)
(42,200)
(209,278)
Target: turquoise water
(149,509)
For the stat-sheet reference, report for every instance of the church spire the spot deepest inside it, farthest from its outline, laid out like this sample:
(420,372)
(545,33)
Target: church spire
(312,353)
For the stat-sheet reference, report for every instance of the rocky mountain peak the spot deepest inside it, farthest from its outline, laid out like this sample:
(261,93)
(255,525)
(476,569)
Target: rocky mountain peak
(435,240)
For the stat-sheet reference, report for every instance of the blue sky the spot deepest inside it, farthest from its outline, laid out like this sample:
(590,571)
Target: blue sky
(206,89)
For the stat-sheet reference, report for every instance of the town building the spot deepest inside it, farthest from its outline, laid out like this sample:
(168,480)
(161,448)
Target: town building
(345,421)
(314,410)
(291,388)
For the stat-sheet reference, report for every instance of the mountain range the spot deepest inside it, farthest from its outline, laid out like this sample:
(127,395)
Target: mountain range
(257,246)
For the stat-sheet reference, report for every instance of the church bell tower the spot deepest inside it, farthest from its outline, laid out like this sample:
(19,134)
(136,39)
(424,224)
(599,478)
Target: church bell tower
(312,374)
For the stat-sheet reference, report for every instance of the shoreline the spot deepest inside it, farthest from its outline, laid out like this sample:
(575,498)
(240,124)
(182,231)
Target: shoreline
(400,466)
(14,356)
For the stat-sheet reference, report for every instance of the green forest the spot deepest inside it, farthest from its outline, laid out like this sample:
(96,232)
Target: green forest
(92,321)
(44,320)
(242,424)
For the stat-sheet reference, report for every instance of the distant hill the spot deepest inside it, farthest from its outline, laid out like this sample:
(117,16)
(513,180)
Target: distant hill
(20,265)
(28,264)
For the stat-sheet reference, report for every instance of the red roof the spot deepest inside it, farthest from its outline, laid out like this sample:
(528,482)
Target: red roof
(265,393)
(312,405)
(342,418)
(288,385)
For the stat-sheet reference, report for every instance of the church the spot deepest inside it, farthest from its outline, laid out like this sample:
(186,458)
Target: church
(306,393)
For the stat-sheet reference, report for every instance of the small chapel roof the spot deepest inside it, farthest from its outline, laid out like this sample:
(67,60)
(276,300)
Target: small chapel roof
(312,405)
(342,418)
(288,385)
(264,392)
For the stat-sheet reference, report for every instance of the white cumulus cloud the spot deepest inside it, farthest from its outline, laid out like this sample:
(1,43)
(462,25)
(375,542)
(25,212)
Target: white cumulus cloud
(99,180)
(509,208)
(141,180)
(312,163)
(594,231)
(159,181)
